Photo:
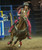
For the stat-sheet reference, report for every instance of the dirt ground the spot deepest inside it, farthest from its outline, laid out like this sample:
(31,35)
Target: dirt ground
(34,44)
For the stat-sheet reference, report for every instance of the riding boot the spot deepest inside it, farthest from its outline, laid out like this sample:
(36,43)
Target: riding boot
(13,26)
(29,29)
(28,35)
(10,28)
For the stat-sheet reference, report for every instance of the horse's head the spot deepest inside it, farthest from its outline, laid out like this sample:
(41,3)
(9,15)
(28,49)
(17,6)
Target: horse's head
(23,20)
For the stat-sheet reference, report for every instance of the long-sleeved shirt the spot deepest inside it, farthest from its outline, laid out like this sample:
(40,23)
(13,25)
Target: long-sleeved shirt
(28,12)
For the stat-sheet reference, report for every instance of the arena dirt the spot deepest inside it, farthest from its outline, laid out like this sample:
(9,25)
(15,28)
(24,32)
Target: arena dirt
(34,44)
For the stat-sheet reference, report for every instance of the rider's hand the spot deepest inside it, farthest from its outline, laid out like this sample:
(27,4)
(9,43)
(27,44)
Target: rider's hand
(19,14)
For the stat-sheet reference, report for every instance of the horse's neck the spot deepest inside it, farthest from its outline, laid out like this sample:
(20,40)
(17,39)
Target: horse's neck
(21,24)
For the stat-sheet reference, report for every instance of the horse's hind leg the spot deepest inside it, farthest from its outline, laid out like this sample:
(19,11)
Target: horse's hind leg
(10,42)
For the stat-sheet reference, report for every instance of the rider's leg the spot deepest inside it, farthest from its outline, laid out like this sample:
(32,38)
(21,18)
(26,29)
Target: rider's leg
(29,28)
(10,28)
(13,24)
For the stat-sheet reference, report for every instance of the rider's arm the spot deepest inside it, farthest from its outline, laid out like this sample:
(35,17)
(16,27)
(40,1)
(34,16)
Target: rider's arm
(28,13)
(19,12)
(18,17)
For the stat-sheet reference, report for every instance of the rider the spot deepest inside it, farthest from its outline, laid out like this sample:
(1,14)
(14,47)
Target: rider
(25,11)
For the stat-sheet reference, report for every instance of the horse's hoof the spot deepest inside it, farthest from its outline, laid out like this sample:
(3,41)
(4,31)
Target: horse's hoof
(9,42)
(19,46)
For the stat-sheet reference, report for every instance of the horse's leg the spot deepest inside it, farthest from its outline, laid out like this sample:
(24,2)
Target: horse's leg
(10,42)
(20,43)
(15,42)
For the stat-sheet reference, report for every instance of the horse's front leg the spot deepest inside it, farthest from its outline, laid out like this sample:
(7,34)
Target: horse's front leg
(10,42)
(20,44)
(15,42)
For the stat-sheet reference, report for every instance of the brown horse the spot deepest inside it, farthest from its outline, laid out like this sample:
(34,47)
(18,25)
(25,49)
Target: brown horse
(20,31)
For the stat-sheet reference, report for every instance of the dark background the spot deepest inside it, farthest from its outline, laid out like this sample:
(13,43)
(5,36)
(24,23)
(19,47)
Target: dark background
(36,14)
(12,2)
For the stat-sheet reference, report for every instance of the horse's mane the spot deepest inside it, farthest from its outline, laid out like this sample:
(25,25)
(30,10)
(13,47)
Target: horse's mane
(21,24)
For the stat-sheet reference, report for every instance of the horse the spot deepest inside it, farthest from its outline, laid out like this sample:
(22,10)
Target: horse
(20,31)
